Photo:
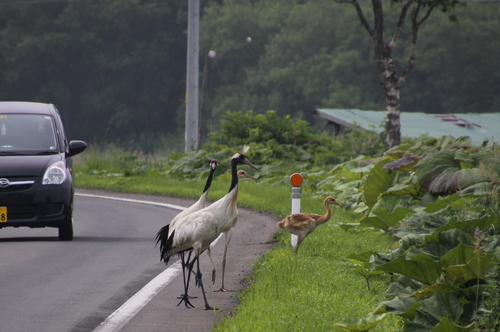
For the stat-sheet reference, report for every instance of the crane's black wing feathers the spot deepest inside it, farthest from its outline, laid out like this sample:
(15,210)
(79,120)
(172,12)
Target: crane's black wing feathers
(165,242)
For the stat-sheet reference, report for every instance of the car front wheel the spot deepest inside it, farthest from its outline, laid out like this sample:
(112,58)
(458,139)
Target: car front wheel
(66,230)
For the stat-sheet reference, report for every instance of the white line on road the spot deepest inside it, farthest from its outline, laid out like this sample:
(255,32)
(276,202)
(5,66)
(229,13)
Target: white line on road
(118,319)
(172,206)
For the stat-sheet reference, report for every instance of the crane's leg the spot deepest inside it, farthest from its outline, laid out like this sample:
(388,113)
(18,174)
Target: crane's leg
(200,284)
(190,265)
(227,236)
(185,297)
(209,253)
(300,238)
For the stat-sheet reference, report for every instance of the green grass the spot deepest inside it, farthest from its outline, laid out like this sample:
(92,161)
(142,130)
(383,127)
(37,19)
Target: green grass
(313,289)
(309,291)
(273,199)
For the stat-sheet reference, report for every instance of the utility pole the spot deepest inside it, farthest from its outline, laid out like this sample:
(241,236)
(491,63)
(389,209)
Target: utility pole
(192,73)
(204,86)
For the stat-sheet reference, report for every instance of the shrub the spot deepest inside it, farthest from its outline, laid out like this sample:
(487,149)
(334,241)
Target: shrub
(242,128)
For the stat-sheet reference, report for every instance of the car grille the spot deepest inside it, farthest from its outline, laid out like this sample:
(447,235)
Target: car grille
(18,212)
(22,212)
(15,184)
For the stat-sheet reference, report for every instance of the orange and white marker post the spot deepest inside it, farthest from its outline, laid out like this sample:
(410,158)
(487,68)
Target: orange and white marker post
(296,180)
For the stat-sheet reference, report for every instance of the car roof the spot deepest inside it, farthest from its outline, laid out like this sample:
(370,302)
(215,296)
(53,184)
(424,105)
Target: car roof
(10,107)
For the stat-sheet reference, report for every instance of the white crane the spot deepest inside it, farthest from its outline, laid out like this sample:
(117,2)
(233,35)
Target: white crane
(196,231)
(198,205)
(231,219)
(241,175)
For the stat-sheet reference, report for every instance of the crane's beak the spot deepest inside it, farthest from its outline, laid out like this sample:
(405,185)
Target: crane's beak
(246,161)
(250,177)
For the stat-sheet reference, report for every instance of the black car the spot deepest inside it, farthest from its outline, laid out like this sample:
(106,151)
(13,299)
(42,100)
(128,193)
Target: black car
(36,176)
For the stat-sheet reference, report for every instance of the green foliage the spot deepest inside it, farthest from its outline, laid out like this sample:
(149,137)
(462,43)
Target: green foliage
(241,128)
(309,53)
(115,68)
(271,139)
(256,135)
(427,196)
(488,315)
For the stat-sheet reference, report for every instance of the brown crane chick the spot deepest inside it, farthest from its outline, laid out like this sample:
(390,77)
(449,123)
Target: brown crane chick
(303,224)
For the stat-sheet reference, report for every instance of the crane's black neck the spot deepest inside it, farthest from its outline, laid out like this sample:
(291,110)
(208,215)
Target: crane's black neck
(209,180)
(234,174)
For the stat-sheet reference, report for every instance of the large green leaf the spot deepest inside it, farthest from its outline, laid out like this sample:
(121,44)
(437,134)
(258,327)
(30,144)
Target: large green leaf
(475,269)
(404,245)
(421,224)
(451,170)
(405,307)
(478,189)
(428,291)
(377,182)
(419,268)
(388,203)
(405,189)
(445,325)
(358,324)
(438,245)
(384,220)
(403,287)
(459,255)
(363,257)
(453,180)
(443,305)
(440,305)
(362,263)
(434,164)
(441,203)
(423,322)
(351,170)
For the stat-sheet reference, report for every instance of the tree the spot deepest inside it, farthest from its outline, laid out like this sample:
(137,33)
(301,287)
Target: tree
(303,55)
(113,68)
(418,12)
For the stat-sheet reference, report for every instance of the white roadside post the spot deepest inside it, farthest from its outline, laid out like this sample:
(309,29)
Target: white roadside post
(296,180)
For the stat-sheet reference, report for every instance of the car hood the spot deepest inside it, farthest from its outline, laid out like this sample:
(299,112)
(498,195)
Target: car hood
(27,165)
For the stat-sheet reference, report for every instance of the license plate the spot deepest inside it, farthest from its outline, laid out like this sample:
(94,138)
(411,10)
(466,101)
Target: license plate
(3,214)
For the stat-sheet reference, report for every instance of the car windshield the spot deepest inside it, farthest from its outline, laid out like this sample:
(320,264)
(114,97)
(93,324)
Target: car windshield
(27,134)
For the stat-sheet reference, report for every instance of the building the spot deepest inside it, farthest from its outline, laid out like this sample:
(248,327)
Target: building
(478,126)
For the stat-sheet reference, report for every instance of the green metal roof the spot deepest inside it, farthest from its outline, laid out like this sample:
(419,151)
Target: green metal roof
(478,126)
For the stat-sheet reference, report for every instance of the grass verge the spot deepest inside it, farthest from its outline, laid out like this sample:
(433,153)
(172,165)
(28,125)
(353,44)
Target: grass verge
(314,289)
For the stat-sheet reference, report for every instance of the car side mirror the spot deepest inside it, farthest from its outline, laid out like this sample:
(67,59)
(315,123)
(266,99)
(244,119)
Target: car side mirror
(76,147)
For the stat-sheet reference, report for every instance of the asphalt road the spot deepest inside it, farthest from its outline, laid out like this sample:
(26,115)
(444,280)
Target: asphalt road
(49,285)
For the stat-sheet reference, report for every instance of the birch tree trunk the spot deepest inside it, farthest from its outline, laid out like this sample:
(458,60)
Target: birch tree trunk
(388,78)
(390,82)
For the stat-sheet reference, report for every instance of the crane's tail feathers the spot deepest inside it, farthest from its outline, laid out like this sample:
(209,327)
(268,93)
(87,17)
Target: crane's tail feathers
(165,242)
(281,224)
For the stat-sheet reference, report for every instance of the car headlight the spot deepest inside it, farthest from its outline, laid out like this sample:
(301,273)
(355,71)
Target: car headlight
(55,174)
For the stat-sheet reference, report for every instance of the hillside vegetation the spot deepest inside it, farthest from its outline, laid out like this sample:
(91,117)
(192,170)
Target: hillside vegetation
(116,69)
